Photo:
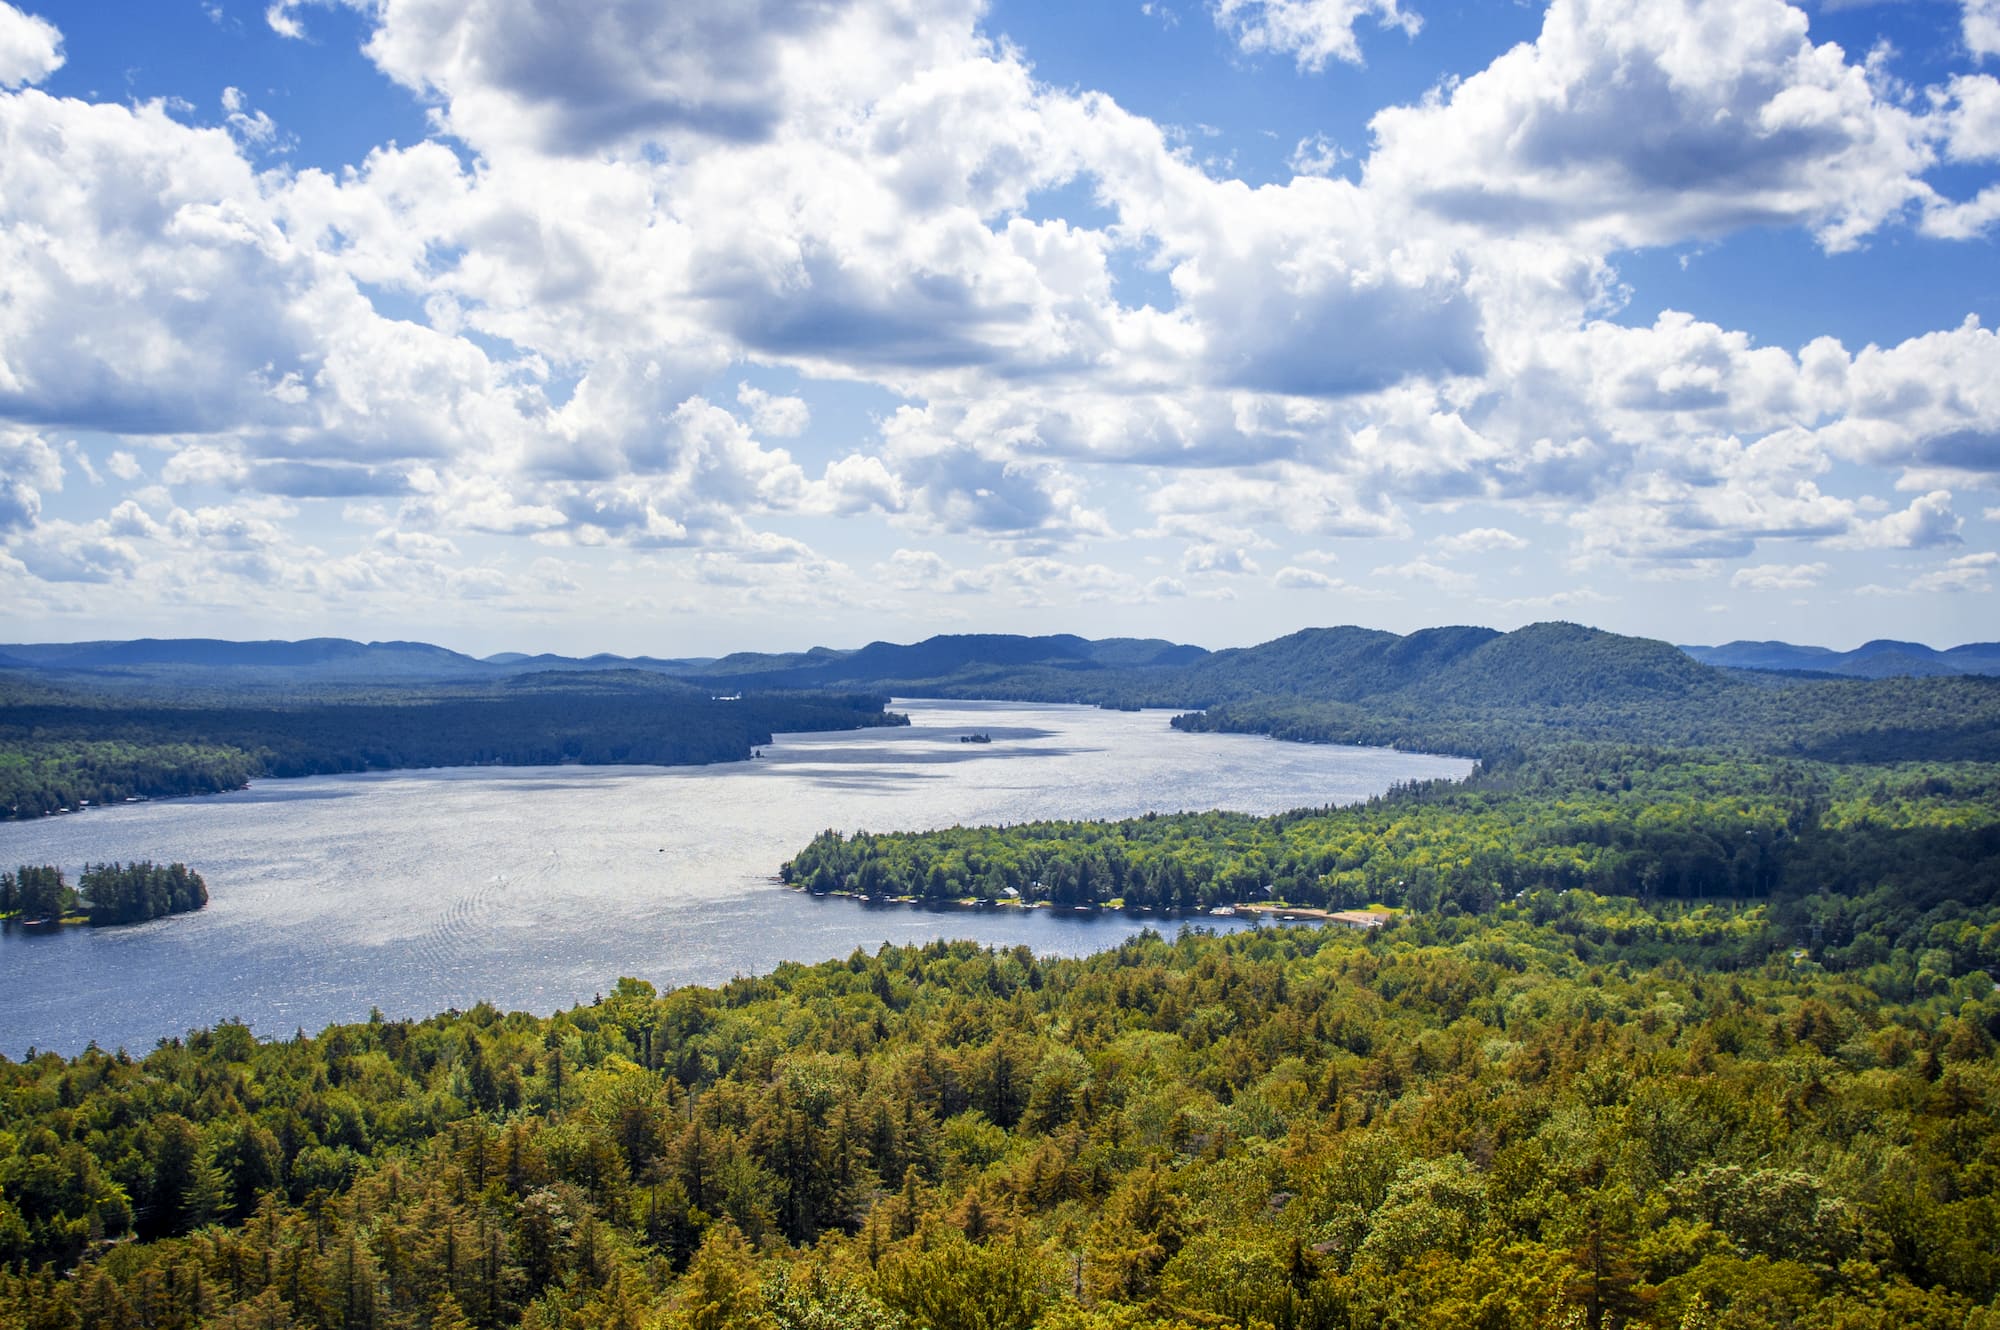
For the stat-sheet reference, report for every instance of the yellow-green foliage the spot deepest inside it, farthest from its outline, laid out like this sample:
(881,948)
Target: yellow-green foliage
(1455,1122)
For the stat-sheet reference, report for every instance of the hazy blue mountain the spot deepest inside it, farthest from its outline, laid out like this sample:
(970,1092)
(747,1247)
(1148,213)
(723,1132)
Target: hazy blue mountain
(1143,652)
(321,659)
(318,657)
(956,662)
(771,663)
(977,656)
(1549,664)
(603,660)
(1883,658)
(1975,657)
(1764,656)
(1552,665)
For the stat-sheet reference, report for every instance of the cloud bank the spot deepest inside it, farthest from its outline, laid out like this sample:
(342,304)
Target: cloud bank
(610,308)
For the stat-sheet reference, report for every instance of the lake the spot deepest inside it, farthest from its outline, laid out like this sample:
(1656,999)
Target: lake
(537,887)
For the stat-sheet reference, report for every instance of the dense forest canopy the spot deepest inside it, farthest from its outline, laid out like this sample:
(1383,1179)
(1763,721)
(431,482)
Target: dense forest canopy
(1512,1120)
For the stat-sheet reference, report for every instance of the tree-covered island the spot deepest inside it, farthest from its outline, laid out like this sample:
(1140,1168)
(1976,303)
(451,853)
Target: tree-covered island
(105,894)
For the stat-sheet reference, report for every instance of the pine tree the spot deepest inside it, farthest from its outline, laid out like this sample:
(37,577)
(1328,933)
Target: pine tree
(720,1290)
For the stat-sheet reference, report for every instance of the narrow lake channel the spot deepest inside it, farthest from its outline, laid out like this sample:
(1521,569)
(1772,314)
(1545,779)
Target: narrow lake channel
(535,888)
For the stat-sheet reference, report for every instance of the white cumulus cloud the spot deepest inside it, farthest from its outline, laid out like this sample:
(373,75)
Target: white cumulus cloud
(1981,27)
(1479,540)
(1631,122)
(1779,576)
(1969,572)
(1310,31)
(31,48)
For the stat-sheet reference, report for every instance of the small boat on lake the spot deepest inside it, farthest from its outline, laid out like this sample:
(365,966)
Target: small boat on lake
(975,738)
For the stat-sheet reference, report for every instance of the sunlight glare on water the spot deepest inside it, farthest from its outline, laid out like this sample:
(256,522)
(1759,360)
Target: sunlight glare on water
(535,888)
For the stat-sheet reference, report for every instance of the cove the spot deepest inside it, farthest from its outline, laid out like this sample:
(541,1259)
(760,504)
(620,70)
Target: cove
(537,887)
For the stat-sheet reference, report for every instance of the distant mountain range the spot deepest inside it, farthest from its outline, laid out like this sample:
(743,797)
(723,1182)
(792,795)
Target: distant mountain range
(339,660)
(1539,663)
(1880,659)
(317,657)
(1455,689)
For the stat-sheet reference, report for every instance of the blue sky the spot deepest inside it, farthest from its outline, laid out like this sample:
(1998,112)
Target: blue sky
(688,329)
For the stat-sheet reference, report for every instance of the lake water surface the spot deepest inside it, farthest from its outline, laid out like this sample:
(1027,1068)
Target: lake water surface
(536,887)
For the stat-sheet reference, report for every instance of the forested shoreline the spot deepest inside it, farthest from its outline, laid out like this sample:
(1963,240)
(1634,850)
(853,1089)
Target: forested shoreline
(1864,855)
(61,750)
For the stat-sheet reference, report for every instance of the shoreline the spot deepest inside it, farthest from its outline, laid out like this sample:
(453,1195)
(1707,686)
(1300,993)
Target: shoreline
(1256,914)
(522,949)
(977,904)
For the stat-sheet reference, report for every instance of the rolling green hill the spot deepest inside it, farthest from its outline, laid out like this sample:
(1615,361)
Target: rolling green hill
(1554,683)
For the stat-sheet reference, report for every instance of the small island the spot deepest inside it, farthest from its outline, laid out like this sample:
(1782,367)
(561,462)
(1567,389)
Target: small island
(37,896)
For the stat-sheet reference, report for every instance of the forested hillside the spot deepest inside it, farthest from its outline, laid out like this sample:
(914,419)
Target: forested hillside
(1498,1122)
(1887,720)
